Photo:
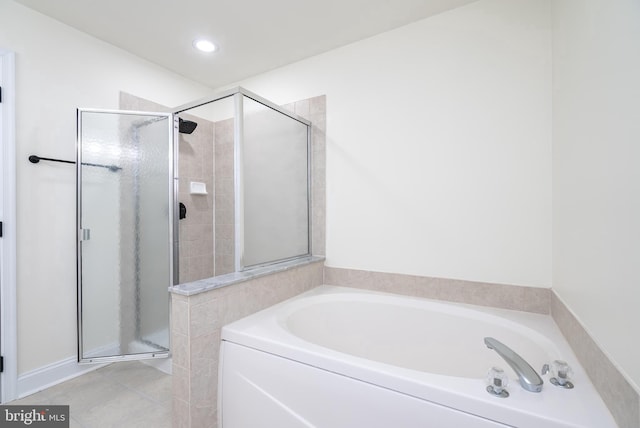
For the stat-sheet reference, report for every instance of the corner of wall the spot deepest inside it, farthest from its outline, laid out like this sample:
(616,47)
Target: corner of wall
(622,399)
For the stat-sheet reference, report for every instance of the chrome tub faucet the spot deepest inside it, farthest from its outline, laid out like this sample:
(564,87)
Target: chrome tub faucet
(529,379)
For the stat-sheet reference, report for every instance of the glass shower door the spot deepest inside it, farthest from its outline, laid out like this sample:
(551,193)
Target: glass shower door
(125,170)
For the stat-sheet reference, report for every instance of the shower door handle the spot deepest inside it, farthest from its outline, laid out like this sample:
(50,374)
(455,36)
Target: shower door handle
(85,234)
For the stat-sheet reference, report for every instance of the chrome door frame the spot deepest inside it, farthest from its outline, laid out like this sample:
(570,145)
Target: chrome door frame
(237,92)
(79,231)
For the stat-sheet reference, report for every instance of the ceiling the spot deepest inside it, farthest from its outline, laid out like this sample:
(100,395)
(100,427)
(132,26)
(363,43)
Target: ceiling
(253,36)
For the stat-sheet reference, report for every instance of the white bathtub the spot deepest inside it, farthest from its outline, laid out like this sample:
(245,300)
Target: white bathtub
(338,357)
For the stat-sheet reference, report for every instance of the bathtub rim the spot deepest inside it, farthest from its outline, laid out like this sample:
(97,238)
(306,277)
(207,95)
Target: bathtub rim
(256,331)
(467,312)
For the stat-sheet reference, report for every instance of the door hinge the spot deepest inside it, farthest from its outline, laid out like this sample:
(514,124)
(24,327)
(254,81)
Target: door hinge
(0,229)
(0,94)
(85,234)
(1,364)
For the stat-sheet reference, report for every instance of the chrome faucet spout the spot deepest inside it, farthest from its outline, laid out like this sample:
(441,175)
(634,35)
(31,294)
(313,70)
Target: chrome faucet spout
(528,377)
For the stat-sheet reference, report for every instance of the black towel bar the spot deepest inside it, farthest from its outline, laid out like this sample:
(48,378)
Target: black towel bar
(36,159)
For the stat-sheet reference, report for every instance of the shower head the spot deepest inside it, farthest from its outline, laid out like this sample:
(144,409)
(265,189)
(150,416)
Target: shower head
(186,126)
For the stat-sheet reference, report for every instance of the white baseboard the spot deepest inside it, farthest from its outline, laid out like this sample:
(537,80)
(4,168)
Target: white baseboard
(58,372)
(52,374)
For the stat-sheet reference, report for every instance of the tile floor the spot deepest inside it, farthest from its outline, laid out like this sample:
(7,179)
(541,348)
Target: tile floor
(123,395)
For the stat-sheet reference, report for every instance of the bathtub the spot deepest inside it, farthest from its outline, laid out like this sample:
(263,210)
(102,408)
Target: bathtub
(338,357)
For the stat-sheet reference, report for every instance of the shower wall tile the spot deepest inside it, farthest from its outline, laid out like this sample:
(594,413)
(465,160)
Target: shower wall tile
(196,353)
(301,108)
(620,397)
(291,107)
(529,299)
(224,198)
(131,102)
(318,105)
(196,160)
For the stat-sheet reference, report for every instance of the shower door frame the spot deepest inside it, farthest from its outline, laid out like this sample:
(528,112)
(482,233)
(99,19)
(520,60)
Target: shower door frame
(171,120)
(237,92)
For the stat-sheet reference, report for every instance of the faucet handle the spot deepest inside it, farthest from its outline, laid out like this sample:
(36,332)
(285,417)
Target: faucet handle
(561,373)
(497,381)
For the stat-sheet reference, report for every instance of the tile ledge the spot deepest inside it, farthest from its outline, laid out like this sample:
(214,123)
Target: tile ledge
(215,282)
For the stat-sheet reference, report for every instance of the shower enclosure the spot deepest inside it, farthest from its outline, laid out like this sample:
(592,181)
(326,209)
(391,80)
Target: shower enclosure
(124,166)
(220,185)
(260,207)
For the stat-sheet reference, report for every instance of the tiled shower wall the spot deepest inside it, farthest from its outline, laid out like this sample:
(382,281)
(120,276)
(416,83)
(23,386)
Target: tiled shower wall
(207,233)
(196,153)
(224,198)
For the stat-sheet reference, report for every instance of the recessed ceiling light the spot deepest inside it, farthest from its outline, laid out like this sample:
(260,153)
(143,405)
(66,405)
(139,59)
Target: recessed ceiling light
(204,45)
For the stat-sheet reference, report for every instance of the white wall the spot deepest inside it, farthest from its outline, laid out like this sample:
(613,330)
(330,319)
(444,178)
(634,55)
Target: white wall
(596,167)
(438,144)
(57,70)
